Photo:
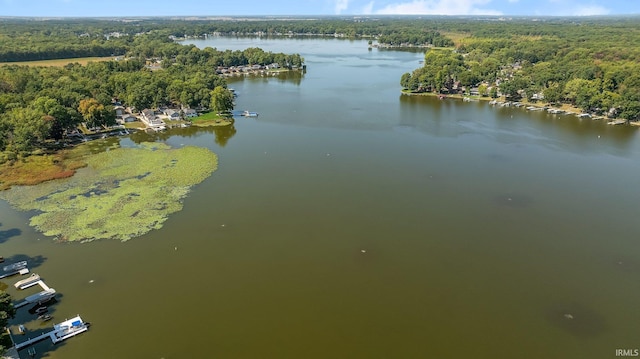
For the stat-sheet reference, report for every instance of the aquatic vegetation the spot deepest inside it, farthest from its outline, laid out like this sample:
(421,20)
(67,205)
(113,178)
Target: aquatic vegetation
(121,194)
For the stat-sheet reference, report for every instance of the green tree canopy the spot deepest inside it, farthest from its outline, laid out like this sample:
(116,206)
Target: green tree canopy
(7,311)
(221,100)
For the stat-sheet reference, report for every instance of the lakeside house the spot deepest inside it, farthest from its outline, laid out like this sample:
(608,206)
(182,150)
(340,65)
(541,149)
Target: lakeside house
(189,112)
(172,114)
(150,119)
(120,111)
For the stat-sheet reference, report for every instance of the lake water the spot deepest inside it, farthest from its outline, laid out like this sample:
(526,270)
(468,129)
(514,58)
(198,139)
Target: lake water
(349,221)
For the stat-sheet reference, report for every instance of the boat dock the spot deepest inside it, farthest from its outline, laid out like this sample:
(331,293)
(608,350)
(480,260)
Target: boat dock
(28,282)
(46,294)
(13,269)
(62,331)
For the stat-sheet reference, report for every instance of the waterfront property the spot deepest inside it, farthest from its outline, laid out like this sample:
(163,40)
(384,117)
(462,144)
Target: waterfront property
(44,296)
(151,120)
(14,268)
(61,331)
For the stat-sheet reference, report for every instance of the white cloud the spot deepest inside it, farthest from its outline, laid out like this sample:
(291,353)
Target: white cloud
(438,7)
(368,9)
(591,10)
(340,6)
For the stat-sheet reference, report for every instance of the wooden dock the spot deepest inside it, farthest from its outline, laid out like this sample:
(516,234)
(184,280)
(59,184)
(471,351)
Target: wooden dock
(34,340)
(63,331)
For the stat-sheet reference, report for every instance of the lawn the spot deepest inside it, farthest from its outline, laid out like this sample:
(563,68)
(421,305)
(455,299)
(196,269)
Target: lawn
(212,119)
(59,62)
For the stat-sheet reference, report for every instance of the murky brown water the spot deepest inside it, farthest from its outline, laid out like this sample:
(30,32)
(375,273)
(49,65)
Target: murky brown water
(347,221)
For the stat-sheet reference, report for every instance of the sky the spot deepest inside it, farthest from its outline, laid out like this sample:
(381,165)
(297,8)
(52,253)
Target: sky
(128,8)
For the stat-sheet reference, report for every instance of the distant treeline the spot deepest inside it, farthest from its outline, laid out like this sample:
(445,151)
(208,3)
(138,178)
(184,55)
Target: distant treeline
(24,40)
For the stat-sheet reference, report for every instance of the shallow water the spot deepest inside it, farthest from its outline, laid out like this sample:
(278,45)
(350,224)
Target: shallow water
(349,221)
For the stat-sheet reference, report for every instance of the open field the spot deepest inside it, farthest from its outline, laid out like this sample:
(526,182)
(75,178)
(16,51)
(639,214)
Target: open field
(456,37)
(59,62)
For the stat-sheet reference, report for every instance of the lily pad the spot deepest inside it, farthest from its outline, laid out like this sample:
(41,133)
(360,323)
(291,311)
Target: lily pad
(121,194)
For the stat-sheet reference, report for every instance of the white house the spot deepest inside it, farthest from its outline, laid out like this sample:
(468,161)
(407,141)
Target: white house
(189,112)
(150,119)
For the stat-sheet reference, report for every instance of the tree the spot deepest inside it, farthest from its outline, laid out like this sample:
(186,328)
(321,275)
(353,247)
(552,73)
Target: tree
(405,80)
(96,114)
(61,117)
(482,90)
(7,311)
(221,100)
(493,93)
(553,92)
(28,127)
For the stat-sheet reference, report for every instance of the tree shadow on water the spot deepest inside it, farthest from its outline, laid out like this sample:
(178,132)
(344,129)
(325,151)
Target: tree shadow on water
(5,235)
(32,261)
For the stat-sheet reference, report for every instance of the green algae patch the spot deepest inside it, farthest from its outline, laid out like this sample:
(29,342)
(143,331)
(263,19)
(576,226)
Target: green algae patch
(122,193)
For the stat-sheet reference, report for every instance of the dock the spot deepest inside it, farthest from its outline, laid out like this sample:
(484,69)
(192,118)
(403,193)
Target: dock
(13,269)
(46,294)
(28,282)
(617,122)
(62,331)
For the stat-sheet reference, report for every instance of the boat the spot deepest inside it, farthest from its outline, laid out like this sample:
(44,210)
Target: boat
(249,114)
(68,328)
(45,317)
(28,282)
(15,266)
(616,122)
(42,310)
(41,297)
(21,329)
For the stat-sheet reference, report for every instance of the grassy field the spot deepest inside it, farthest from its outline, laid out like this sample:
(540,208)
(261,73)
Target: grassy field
(212,119)
(59,62)
(456,37)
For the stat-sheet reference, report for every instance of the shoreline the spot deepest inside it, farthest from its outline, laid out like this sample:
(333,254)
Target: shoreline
(38,168)
(502,102)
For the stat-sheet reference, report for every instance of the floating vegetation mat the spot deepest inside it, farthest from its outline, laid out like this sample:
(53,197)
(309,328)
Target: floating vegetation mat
(122,193)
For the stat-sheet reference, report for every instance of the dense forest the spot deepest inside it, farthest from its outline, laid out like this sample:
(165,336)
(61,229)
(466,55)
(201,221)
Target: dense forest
(38,104)
(592,64)
(22,40)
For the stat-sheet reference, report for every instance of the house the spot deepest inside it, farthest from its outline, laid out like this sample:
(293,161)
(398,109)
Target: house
(189,112)
(474,91)
(129,118)
(148,115)
(119,110)
(150,119)
(172,114)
